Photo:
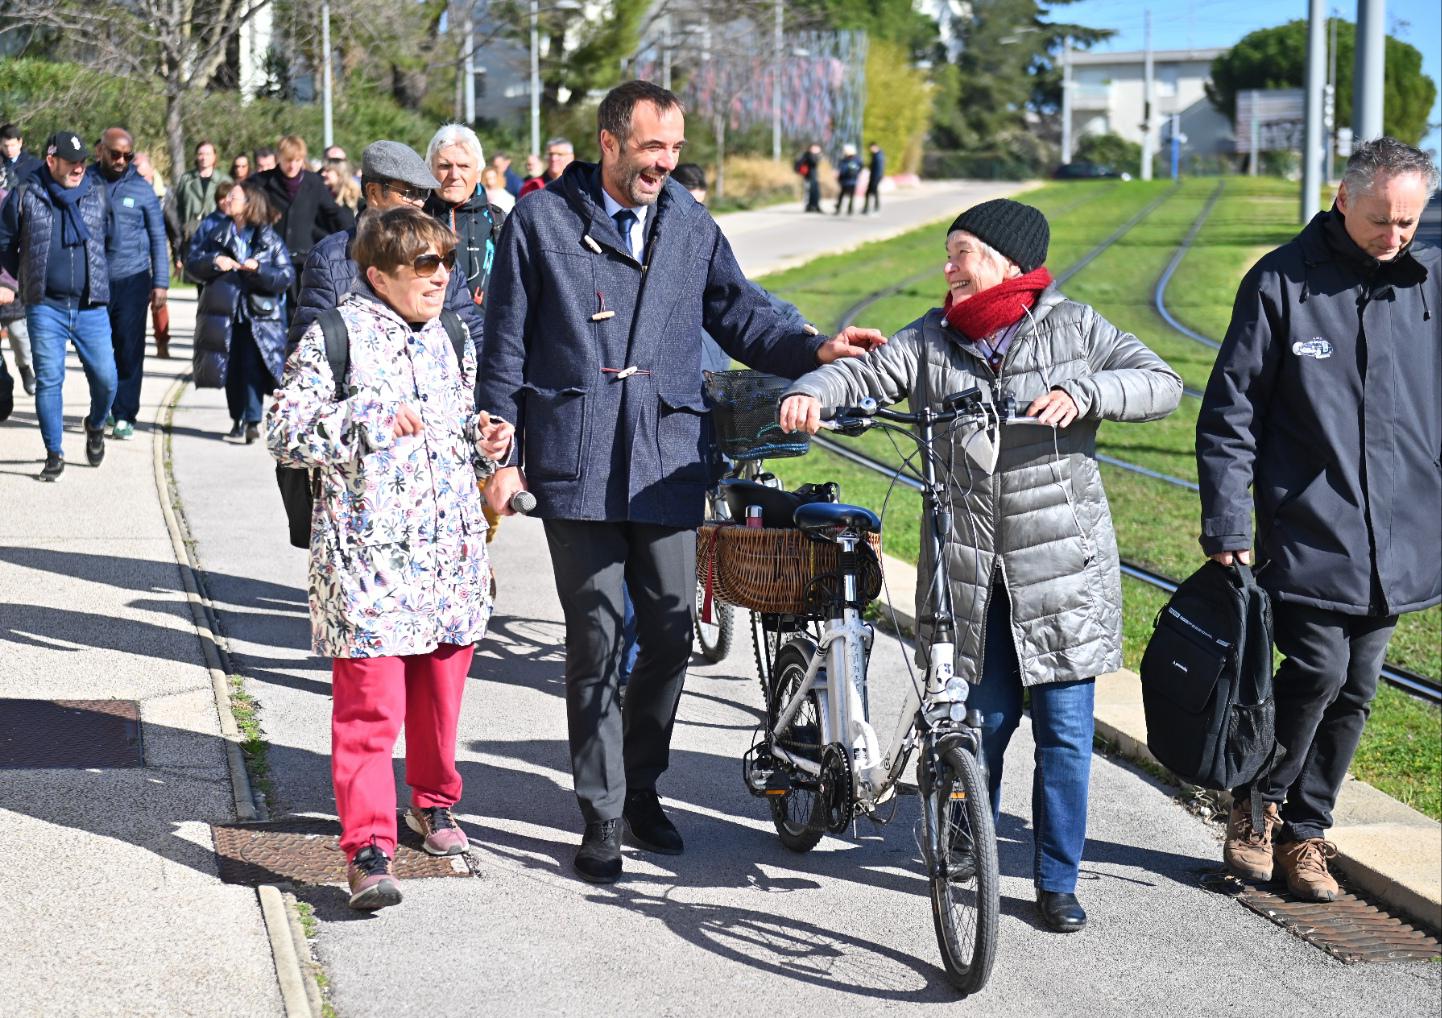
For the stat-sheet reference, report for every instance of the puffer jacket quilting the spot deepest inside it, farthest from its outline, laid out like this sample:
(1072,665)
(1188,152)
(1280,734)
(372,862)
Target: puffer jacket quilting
(1039,521)
(35,211)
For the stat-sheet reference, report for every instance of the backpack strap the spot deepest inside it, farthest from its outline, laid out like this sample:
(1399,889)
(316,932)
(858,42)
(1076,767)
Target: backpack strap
(456,329)
(337,347)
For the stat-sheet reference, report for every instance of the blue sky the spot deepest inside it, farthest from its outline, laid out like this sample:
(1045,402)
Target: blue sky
(1180,24)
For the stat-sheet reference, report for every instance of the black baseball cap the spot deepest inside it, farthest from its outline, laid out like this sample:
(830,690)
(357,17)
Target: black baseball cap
(66,145)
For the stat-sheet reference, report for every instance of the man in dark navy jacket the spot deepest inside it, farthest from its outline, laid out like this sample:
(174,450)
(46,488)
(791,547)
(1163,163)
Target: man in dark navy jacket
(139,263)
(1324,415)
(602,284)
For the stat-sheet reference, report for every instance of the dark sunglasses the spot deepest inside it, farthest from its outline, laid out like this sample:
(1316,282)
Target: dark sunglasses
(427,264)
(408,193)
(120,156)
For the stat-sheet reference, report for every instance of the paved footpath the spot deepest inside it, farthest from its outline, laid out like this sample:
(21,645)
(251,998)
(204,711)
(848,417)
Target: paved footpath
(735,924)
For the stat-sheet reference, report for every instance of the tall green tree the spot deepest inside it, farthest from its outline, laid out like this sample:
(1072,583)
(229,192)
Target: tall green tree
(1008,68)
(1277,58)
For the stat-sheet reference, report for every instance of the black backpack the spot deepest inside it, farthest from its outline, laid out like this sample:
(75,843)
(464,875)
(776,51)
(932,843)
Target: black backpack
(300,486)
(1207,681)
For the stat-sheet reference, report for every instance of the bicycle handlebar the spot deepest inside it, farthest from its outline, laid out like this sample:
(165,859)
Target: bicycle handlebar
(959,406)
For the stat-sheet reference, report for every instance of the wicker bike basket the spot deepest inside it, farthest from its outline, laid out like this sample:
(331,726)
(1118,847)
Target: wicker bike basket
(743,414)
(778,570)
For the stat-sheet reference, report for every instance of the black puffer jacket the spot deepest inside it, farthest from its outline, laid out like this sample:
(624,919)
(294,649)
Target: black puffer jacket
(223,301)
(330,273)
(1326,402)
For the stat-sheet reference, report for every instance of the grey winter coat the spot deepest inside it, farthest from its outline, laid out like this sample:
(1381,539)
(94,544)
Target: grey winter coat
(1324,410)
(1039,522)
(570,312)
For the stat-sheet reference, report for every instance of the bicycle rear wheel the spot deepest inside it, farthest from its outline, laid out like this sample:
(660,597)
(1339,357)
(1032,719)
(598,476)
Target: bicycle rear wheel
(965,887)
(714,637)
(799,814)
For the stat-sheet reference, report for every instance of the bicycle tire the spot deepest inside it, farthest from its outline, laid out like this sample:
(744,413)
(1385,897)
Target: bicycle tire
(714,638)
(797,814)
(965,893)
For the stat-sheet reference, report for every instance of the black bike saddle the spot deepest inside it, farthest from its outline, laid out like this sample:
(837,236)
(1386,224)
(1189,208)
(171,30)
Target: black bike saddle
(827,516)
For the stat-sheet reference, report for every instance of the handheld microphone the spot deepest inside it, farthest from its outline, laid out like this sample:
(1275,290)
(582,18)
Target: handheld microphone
(522,502)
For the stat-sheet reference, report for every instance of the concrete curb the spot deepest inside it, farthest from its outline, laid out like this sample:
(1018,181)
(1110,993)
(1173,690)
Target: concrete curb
(1386,848)
(201,611)
(287,950)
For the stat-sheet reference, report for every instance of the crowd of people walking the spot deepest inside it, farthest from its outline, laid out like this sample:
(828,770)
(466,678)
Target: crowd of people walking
(436,337)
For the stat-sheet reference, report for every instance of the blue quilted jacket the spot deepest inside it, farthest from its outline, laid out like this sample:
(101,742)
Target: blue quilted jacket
(26,229)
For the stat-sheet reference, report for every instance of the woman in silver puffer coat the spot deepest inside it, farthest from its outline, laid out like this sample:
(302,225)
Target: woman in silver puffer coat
(1033,558)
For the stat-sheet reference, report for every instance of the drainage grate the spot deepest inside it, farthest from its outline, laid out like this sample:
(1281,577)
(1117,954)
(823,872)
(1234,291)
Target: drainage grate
(306,850)
(70,733)
(1351,929)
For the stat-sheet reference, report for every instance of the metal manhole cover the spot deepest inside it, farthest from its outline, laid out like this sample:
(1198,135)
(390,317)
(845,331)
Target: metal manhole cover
(306,850)
(70,733)
(1351,929)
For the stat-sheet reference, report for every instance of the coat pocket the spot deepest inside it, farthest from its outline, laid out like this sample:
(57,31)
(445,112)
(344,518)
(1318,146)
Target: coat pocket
(682,438)
(555,431)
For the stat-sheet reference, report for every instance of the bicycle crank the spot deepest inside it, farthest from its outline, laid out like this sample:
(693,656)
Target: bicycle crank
(835,799)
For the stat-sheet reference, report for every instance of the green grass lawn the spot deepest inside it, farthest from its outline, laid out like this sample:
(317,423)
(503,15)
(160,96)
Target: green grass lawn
(1157,524)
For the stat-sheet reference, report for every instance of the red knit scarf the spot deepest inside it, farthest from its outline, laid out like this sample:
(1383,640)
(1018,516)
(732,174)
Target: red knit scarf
(997,307)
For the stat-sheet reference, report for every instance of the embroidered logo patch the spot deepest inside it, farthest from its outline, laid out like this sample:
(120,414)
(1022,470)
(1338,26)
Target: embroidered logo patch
(129,203)
(1316,348)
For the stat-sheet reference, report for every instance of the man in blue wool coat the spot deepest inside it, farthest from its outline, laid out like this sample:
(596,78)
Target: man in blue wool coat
(601,287)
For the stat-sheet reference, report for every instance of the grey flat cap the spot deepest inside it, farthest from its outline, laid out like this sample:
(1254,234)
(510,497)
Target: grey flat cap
(390,160)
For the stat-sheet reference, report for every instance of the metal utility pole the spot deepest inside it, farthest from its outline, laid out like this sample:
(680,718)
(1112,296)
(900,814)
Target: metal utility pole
(1367,77)
(326,101)
(1331,110)
(1312,147)
(535,77)
(1066,99)
(468,65)
(777,44)
(666,54)
(1147,99)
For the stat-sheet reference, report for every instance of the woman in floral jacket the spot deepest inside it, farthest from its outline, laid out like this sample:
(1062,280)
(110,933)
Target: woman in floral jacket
(399,578)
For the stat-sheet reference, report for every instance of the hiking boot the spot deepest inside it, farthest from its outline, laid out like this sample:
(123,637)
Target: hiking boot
(123,430)
(27,379)
(1305,864)
(435,823)
(1247,852)
(54,467)
(371,884)
(94,446)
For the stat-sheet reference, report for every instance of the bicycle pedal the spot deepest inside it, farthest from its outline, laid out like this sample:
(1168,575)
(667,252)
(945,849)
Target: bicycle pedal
(777,783)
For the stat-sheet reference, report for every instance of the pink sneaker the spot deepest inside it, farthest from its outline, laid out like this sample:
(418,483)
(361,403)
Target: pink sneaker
(371,884)
(435,823)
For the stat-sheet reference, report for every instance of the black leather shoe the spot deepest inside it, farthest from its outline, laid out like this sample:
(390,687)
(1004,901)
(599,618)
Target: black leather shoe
(236,432)
(1062,912)
(252,432)
(649,826)
(598,860)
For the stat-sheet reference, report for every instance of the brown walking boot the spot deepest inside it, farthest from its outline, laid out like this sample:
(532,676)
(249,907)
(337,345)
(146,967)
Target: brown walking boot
(1248,852)
(1305,864)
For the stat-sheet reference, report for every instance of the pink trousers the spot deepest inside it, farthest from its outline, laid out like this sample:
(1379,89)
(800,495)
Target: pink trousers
(373,697)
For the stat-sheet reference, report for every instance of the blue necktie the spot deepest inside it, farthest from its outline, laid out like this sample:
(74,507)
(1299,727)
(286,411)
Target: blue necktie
(624,219)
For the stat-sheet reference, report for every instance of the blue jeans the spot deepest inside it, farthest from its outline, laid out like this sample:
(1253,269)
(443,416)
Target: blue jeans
(129,310)
(51,327)
(247,379)
(1062,724)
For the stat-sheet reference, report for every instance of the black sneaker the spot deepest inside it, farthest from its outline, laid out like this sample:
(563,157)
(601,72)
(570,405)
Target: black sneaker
(598,860)
(252,432)
(94,446)
(54,467)
(649,826)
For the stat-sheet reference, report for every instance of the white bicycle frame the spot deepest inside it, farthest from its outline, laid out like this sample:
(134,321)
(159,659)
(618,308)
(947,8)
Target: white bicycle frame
(842,710)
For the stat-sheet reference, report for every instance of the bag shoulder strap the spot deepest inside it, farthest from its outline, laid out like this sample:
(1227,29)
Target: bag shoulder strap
(337,347)
(456,329)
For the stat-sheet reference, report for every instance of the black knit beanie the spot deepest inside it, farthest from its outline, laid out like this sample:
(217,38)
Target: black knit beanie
(1017,231)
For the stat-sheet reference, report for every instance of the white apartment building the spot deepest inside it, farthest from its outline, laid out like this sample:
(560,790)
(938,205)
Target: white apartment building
(1107,95)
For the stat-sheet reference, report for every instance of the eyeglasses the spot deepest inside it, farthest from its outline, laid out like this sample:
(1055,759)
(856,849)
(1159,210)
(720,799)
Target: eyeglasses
(427,264)
(119,156)
(414,195)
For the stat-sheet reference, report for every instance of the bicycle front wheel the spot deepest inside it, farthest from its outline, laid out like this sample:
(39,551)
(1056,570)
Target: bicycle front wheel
(714,637)
(965,887)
